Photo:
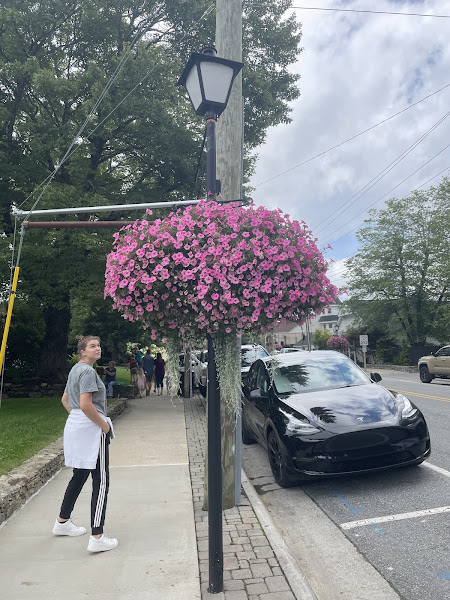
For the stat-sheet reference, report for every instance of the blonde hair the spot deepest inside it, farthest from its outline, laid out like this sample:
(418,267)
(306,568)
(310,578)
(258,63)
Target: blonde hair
(83,341)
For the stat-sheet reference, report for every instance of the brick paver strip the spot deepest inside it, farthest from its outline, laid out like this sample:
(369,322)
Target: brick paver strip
(251,571)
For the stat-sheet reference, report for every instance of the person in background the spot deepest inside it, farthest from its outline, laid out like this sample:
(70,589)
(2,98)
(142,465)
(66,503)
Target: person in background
(141,381)
(138,356)
(110,378)
(87,435)
(160,371)
(132,366)
(148,366)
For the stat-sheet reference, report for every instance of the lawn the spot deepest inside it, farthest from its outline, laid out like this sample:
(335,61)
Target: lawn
(29,424)
(26,426)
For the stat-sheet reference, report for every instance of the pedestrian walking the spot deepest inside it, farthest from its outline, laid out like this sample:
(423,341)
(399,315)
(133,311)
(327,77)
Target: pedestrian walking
(141,382)
(160,371)
(87,435)
(132,366)
(148,365)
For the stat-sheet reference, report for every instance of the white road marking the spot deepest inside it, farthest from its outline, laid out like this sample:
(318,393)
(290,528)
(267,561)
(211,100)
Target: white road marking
(437,469)
(399,517)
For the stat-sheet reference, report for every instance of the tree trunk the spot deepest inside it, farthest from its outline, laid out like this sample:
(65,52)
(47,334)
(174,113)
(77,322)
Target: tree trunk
(53,366)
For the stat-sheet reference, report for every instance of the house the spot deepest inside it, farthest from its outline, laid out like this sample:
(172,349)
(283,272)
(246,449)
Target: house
(333,319)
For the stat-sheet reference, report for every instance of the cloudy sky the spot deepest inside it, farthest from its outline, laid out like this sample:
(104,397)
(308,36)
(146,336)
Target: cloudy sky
(357,70)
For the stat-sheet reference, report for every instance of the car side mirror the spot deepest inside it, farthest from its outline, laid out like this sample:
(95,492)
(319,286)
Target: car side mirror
(255,394)
(376,377)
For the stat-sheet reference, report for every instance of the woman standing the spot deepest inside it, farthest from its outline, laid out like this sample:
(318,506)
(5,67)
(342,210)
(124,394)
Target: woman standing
(160,371)
(87,434)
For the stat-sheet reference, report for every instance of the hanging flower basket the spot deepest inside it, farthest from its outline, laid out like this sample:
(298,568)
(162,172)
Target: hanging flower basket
(217,268)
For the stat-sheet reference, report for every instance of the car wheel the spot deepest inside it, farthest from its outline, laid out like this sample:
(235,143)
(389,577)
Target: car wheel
(247,436)
(277,462)
(425,376)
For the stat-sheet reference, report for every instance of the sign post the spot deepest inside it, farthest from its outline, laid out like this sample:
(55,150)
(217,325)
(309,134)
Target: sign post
(364,342)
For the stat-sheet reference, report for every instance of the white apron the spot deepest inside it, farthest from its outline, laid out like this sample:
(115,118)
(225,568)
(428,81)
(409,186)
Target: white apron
(82,440)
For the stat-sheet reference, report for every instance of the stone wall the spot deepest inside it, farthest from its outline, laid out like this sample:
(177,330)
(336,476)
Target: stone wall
(22,482)
(33,390)
(30,389)
(373,367)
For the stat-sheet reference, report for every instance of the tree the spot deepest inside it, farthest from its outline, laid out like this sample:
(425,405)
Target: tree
(320,338)
(56,58)
(399,280)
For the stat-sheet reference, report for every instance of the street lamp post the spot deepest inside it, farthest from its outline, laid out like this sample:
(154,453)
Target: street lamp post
(208,80)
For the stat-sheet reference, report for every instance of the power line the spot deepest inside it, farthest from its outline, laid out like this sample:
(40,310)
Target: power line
(344,268)
(353,137)
(360,193)
(379,199)
(46,182)
(353,10)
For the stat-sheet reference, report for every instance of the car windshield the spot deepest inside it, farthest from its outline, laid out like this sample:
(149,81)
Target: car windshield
(313,374)
(249,355)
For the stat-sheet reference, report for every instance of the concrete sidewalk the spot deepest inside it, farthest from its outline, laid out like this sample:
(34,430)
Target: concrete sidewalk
(150,511)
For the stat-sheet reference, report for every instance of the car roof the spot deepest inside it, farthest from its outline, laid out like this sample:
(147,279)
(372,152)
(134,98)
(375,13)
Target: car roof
(292,358)
(251,346)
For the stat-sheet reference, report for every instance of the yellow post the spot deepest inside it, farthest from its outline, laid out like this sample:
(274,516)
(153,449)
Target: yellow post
(8,317)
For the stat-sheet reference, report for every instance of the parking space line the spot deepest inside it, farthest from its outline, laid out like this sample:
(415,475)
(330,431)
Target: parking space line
(437,469)
(421,395)
(400,517)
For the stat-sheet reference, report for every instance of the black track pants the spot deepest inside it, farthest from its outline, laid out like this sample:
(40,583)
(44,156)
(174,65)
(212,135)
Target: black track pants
(100,486)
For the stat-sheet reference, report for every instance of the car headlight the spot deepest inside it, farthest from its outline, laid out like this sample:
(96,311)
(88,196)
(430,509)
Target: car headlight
(296,426)
(408,411)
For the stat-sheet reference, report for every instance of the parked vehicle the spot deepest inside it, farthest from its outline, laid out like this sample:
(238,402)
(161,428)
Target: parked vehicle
(321,415)
(435,365)
(250,353)
(286,350)
(196,370)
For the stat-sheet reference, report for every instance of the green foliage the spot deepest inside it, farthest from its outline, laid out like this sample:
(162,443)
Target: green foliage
(384,355)
(320,339)
(19,441)
(399,279)
(55,61)
(24,342)
(402,358)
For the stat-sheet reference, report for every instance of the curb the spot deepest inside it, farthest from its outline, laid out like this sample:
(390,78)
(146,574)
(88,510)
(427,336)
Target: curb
(295,576)
(23,482)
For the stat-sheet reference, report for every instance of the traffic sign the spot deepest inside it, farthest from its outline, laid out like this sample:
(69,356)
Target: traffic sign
(363,340)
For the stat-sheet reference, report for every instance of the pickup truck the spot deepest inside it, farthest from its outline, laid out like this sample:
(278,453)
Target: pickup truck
(435,365)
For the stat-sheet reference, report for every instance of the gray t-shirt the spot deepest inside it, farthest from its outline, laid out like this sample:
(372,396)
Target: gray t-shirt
(82,379)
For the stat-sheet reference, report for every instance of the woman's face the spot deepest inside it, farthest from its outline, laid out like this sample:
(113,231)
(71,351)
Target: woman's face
(92,352)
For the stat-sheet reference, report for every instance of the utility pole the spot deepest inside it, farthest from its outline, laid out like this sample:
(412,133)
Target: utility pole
(229,172)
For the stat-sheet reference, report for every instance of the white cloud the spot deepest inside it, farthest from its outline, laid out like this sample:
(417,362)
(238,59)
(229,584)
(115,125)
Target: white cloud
(357,69)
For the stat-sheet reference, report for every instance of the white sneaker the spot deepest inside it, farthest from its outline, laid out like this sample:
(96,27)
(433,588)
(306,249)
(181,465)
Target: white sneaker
(68,528)
(101,544)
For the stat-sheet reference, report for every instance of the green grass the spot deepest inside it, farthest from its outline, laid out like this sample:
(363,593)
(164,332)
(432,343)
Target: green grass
(29,424)
(123,375)
(26,426)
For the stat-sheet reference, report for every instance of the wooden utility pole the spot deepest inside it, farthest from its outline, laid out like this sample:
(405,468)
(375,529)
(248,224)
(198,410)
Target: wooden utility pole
(229,172)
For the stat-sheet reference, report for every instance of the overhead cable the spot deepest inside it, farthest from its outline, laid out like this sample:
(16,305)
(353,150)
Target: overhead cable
(384,195)
(360,193)
(72,148)
(350,10)
(308,160)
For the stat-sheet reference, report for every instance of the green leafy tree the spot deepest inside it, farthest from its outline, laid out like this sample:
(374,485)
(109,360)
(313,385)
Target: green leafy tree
(399,280)
(320,338)
(141,144)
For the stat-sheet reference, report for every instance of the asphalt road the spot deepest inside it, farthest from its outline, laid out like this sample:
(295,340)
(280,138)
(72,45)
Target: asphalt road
(398,520)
